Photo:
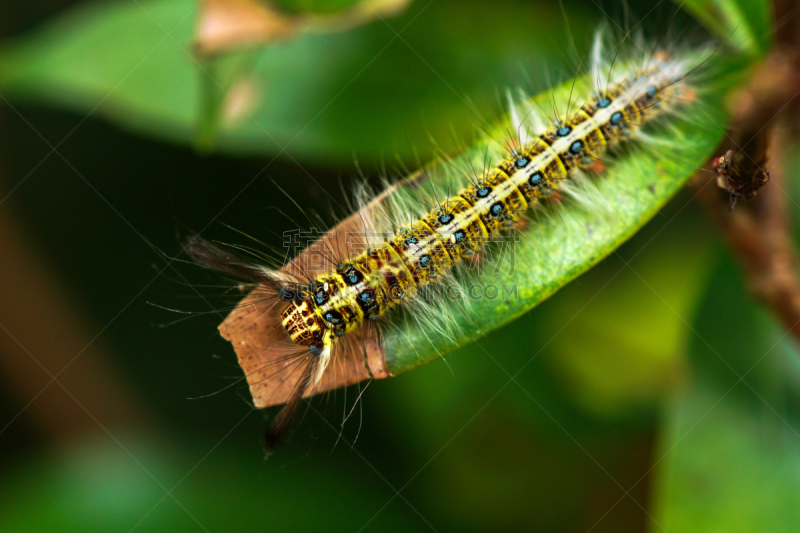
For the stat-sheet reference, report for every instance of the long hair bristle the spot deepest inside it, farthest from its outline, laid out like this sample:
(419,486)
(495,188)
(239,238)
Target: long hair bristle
(213,257)
(283,420)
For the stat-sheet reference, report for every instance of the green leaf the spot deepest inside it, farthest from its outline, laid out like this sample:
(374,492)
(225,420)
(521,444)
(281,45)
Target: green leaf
(325,98)
(625,348)
(744,24)
(560,246)
(736,470)
(729,456)
(117,60)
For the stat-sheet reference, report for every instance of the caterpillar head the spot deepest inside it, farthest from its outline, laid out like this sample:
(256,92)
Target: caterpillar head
(301,322)
(306,328)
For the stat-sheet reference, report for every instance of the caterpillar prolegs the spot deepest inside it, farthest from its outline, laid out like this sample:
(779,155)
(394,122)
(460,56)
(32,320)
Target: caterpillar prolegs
(319,319)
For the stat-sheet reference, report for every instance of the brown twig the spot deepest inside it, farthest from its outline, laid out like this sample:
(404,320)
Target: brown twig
(759,232)
(760,237)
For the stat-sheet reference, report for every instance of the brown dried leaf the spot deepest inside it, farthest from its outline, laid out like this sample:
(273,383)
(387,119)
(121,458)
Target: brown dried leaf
(224,25)
(260,341)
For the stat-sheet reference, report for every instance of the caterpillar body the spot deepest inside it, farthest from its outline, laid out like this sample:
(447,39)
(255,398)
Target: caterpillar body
(320,317)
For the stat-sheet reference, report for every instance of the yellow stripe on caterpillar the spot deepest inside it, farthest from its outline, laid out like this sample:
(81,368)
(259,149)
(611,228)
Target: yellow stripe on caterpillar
(388,274)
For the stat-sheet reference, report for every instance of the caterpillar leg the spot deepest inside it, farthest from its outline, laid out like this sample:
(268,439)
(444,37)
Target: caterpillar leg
(324,356)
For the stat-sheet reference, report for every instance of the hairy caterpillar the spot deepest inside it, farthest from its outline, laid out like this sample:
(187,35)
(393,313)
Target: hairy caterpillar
(326,315)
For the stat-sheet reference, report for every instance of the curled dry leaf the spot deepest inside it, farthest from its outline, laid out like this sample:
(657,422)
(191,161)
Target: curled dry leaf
(224,25)
(260,344)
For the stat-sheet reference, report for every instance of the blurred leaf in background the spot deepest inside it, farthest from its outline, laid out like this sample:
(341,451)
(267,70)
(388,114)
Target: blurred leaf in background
(743,24)
(620,364)
(224,25)
(728,454)
(322,98)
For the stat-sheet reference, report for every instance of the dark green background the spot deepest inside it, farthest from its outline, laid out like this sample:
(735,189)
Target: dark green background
(632,377)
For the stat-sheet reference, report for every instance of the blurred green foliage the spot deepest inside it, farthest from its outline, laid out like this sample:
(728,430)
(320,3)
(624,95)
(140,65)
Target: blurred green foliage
(730,450)
(626,380)
(743,24)
(357,100)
